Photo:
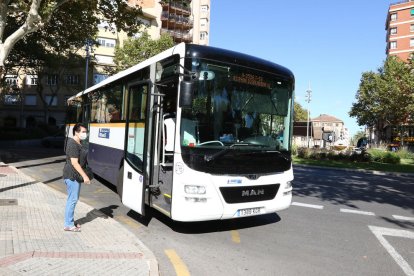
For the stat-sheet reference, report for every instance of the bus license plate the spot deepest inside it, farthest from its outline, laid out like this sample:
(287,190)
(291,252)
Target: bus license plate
(248,212)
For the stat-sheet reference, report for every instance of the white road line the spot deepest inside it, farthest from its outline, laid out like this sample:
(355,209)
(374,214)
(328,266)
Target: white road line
(403,218)
(307,205)
(380,232)
(357,212)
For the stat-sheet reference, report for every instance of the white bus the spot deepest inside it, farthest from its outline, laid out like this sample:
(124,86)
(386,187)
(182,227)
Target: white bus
(196,132)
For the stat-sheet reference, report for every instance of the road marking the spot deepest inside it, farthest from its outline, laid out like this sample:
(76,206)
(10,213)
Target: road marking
(235,237)
(380,232)
(101,191)
(307,205)
(127,221)
(403,218)
(179,266)
(357,212)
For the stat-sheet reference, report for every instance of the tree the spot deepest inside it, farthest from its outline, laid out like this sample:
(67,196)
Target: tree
(41,36)
(300,114)
(60,24)
(136,50)
(385,97)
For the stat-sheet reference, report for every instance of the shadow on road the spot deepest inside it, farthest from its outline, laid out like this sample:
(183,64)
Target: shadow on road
(348,187)
(26,153)
(204,226)
(95,213)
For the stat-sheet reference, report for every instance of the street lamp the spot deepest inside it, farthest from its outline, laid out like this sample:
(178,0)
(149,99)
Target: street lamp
(88,49)
(308,99)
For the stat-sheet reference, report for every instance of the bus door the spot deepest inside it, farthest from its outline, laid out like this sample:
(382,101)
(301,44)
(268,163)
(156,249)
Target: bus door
(162,146)
(135,171)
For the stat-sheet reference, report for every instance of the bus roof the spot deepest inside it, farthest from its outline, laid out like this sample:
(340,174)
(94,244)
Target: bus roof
(199,51)
(227,56)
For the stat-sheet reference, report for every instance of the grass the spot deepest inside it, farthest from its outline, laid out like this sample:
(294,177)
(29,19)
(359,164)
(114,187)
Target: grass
(406,165)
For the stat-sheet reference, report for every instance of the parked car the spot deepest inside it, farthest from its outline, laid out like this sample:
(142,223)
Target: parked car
(57,140)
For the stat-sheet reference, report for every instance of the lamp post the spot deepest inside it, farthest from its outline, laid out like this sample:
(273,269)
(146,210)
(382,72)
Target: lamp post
(308,99)
(88,50)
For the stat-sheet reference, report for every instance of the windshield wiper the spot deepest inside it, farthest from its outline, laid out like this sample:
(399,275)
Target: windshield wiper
(280,153)
(209,158)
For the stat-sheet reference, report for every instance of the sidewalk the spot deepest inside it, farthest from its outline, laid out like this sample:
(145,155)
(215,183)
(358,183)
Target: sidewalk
(32,240)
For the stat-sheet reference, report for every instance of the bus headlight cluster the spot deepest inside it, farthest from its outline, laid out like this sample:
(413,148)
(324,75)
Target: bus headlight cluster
(195,190)
(288,185)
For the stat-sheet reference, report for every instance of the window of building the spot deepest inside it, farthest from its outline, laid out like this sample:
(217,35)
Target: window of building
(11,80)
(104,59)
(30,100)
(51,100)
(412,28)
(393,31)
(107,42)
(71,79)
(393,45)
(11,99)
(97,78)
(203,22)
(52,79)
(412,12)
(411,42)
(31,80)
(203,35)
(393,17)
(204,8)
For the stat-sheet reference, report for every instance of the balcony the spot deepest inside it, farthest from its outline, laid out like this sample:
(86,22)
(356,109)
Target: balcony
(178,36)
(176,7)
(176,21)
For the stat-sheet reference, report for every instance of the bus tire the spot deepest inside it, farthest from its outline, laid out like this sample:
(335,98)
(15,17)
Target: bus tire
(120,182)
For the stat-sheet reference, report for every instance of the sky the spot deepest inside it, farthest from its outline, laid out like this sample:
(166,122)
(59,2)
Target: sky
(328,44)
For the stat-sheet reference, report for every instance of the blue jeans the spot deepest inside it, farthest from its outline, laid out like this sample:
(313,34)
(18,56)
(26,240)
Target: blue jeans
(73,189)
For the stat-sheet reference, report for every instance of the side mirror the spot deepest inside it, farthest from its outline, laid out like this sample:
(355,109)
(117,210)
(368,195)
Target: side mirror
(186,94)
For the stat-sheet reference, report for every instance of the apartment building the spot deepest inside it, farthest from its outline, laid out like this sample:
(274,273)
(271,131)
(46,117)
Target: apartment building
(185,20)
(400,29)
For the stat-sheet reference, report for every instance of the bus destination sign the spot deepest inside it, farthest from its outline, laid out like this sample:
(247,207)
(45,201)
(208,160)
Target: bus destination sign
(251,80)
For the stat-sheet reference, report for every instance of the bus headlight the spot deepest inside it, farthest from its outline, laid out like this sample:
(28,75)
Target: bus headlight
(193,189)
(288,185)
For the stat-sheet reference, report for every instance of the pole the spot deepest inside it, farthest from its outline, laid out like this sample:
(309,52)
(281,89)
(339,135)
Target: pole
(308,99)
(87,46)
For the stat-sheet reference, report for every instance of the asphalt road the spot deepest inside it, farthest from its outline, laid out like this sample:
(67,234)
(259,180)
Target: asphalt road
(340,223)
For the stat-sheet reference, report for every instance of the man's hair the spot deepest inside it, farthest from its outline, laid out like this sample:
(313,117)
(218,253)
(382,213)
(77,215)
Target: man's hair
(77,128)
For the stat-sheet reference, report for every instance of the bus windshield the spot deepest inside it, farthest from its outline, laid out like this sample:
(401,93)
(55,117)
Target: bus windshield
(237,108)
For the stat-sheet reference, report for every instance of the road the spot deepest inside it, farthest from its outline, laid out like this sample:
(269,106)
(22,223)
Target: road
(340,223)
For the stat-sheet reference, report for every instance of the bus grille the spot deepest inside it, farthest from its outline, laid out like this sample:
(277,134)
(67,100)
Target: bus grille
(249,193)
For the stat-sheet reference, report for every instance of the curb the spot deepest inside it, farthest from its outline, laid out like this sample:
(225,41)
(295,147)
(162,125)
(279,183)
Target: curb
(355,170)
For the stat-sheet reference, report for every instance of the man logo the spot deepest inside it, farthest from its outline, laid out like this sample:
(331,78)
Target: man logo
(252,192)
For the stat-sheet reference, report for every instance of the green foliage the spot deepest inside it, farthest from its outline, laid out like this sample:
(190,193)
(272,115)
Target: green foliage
(405,154)
(386,96)
(304,153)
(384,156)
(294,149)
(373,155)
(300,114)
(67,27)
(136,50)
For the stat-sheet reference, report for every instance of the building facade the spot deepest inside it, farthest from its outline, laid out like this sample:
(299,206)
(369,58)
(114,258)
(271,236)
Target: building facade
(23,106)
(400,29)
(324,131)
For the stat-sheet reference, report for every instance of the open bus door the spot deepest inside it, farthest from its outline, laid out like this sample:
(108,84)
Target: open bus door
(134,173)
